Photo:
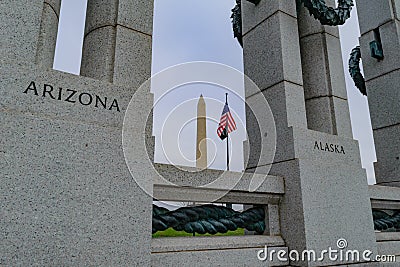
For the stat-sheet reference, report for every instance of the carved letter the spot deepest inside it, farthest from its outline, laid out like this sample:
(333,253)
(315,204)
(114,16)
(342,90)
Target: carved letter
(327,147)
(70,96)
(59,93)
(98,99)
(114,104)
(48,89)
(90,99)
(342,150)
(32,86)
(316,145)
(331,149)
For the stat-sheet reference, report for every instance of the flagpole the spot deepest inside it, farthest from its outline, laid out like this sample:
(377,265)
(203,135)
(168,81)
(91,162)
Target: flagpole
(227,139)
(227,152)
(228,205)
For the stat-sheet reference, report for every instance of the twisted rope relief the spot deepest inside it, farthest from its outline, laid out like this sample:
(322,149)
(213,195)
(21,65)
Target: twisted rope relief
(384,221)
(209,219)
(355,71)
(213,219)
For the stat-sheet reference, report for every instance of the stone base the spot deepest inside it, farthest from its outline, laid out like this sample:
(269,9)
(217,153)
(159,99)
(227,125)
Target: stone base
(326,196)
(67,196)
(218,251)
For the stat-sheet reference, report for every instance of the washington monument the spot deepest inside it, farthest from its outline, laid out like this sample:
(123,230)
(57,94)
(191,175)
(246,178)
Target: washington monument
(201,144)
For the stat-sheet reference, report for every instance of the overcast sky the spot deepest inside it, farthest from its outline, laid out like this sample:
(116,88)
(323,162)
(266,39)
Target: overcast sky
(200,30)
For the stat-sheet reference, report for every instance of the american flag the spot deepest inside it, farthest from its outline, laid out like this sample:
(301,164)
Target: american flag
(227,124)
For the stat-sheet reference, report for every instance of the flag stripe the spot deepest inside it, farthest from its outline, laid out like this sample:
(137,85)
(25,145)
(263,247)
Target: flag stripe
(231,121)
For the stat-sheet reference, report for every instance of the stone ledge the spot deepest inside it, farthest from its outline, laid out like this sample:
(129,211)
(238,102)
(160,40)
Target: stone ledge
(389,248)
(204,195)
(217,179)
(387,236)
(226,257)
(180,244)
(384,193)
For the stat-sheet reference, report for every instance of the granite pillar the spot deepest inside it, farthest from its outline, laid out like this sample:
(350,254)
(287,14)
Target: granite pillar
(323,76)
(319,160)
(29,31)
(118,41)
(381,19)
(48,33)
(272,60)
(68,196)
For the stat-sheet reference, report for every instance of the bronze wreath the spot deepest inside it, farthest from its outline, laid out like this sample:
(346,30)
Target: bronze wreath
(329,15)
(354,70)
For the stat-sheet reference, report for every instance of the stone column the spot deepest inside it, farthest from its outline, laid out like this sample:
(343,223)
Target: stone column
(271,54)
(321,165)
(381,20)
(29,31)
(323,76)
(272,60)
(48,33)
(118,41)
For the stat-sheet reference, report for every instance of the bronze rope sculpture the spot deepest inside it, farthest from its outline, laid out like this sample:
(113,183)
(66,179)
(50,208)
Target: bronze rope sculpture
(214,219)
(209,219)
(383,221)
(317,8)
